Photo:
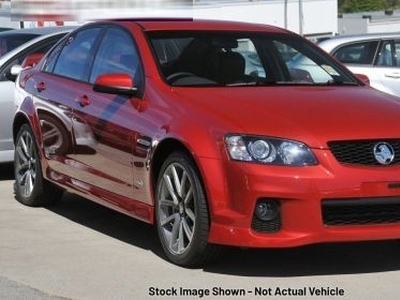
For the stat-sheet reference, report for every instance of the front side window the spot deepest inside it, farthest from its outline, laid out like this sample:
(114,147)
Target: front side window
(362,53)
(71,58)
(117,54)
(239,59)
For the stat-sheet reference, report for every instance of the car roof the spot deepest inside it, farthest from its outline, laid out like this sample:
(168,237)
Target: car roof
(331,43)
(200,24)
(5,29)
(33,31)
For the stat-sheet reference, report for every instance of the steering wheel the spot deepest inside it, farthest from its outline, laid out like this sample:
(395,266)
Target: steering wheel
(175,76)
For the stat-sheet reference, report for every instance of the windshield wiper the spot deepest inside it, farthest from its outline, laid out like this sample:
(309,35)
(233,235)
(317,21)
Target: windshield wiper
(340,82)
(274,83)
(253,83)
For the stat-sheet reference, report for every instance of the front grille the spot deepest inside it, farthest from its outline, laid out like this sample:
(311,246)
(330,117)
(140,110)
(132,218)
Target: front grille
(362,152)
(364,211)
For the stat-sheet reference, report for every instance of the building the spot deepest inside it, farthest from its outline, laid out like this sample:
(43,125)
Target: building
(301,16)
(369,22)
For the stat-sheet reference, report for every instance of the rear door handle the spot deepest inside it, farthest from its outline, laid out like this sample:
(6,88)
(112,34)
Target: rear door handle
(41,86)
(84,100)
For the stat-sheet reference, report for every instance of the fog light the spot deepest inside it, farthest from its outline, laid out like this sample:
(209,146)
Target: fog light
(267,210)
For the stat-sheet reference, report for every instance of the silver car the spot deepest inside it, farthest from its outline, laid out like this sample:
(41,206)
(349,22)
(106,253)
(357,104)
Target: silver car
(374,55)
(47,37)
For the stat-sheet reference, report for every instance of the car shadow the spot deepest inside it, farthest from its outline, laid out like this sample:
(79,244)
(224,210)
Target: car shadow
(321,259)
(312,260)
(107,221)
(6,171)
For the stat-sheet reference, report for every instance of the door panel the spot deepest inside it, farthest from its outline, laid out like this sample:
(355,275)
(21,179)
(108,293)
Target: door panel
(102,124)
(103,143)
(51,96)
(387,70)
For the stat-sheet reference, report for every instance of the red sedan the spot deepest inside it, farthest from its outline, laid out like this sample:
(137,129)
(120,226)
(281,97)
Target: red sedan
(219,133)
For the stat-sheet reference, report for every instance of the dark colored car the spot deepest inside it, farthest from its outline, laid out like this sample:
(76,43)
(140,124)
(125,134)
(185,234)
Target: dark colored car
(219,133)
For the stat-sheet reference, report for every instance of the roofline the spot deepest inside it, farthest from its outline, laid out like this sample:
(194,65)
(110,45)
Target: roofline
(37,30)
(367,35)
(150,19)
(150,24)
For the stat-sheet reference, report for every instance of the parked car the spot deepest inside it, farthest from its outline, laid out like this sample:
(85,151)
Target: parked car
(374,55)
(44,41)
(166,122)
(11,39)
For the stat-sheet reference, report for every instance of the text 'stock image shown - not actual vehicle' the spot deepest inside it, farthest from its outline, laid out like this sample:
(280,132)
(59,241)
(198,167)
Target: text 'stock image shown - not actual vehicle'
(219,133)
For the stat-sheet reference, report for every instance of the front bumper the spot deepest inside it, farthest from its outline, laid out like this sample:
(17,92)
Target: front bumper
(306,196)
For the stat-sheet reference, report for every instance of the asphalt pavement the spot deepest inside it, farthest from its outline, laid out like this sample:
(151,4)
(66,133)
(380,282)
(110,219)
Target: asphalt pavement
(79,250)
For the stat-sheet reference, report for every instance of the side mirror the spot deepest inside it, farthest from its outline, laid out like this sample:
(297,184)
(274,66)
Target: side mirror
(13,73)
(115,83)
(32,60)
(363,78)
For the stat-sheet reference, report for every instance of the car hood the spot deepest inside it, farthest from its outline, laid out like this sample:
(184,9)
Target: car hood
(313,115)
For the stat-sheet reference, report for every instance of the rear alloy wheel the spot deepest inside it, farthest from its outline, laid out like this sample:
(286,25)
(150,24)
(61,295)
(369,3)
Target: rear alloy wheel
(181,213)
(30,188)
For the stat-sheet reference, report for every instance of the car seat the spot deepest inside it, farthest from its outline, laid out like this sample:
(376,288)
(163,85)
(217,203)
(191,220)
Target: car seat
(227,67)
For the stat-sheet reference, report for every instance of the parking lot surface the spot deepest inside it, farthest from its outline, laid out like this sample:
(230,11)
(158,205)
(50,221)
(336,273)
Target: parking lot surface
(80,250)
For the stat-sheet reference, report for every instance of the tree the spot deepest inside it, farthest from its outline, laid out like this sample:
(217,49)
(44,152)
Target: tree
(392,3)
(350,6)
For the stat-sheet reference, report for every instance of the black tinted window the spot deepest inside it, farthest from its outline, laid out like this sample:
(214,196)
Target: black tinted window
(240,59)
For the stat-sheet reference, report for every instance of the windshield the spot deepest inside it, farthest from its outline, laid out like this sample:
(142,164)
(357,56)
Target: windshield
(218,58)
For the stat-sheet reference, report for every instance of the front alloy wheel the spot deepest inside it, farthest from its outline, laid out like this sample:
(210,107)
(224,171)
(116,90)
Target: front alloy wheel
(182,214)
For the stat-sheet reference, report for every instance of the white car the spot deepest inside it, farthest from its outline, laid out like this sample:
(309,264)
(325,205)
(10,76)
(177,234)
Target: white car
(374,55)
(47,37)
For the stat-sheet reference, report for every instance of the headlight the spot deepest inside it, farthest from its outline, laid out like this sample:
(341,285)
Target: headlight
(268,150)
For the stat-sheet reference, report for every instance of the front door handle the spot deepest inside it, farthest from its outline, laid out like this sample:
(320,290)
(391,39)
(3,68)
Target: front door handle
(395,75)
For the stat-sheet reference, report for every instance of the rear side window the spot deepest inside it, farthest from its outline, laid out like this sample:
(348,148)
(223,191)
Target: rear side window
(358,53)
(71,59)
(389,54)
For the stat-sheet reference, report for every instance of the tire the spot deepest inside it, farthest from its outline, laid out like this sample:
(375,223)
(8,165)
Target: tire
(30,188)
(182,216)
